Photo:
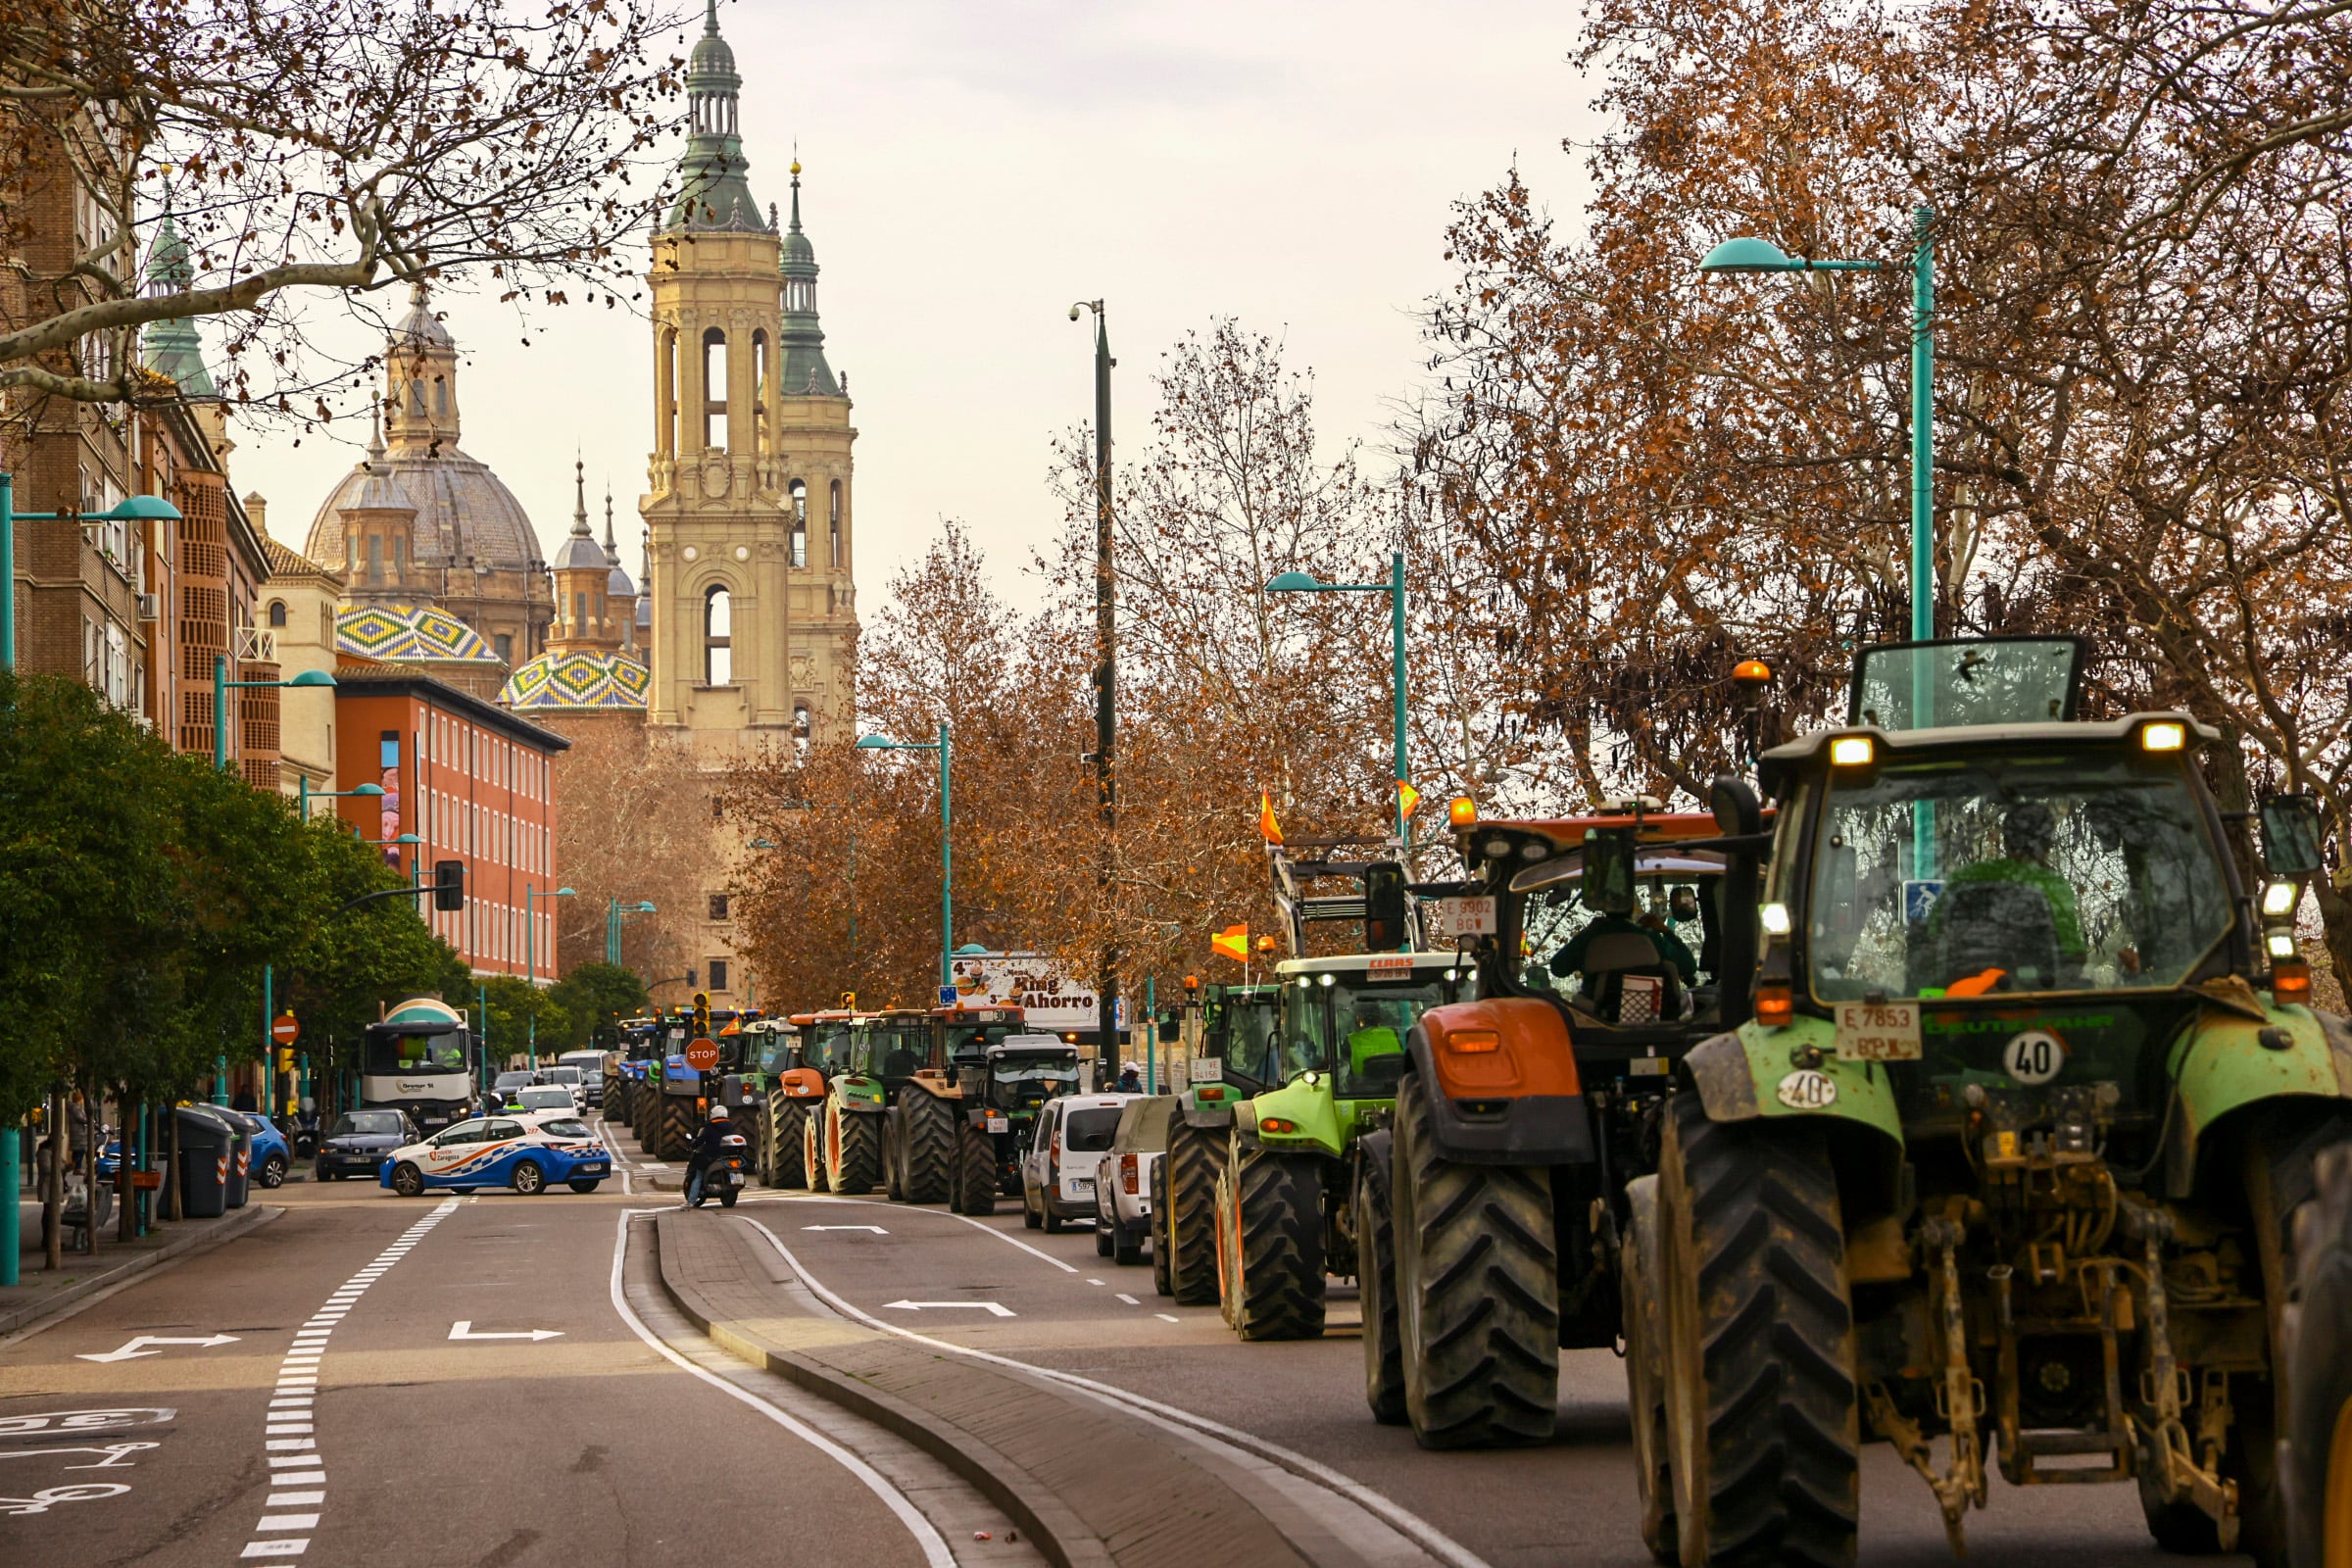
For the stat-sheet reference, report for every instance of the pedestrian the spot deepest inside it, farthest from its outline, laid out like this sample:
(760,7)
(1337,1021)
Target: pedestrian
(244,1102)
(1131,1081)
(77,1130)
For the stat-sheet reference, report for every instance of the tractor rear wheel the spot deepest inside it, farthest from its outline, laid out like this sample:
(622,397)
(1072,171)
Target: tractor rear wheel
(1645,1368)
(1376,1285)
(1159,1251)
(2317,1459)
(1762,1413)
(812,1148)
(974,1190)
(1271,1212)
(892,1169)
(1477,1317)
(611,1092)
(854,1155)
(1184,1216)
(788,1163)
(927,1126)
(677,1126)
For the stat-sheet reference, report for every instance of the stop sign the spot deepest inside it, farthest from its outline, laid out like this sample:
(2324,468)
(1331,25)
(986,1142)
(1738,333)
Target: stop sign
(701,1055)
(283,1029)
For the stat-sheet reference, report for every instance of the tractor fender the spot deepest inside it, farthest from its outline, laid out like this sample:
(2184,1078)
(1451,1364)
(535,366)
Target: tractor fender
(1309,1106)
(801,1083)
(936,1085)
(2225,1061)
(1504,1083)
(1791,1070)
(1377,1149)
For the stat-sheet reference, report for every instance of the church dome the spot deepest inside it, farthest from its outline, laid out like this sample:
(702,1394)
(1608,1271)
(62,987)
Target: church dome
(409,634)
(462,509)
(579,680)
(420,327)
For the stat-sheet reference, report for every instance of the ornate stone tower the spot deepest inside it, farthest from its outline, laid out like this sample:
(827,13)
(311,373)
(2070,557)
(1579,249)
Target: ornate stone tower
(748,506)
(585,615)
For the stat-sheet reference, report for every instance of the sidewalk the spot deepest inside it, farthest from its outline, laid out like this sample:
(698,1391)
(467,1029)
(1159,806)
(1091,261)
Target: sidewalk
(39,1293)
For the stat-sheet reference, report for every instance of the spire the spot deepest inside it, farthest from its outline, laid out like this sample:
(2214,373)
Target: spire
(375,429)
(174,347)
(579,498)
(420,377)
(611,549)
(805,373)
(713,191)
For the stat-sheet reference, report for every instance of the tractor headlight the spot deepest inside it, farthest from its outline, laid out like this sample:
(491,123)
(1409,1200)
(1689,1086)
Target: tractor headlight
(2281,943)
(1774,917)
(1852,751)
(2278,899)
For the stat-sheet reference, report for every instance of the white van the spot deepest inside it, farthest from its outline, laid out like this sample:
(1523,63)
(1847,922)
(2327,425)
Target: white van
(1057,1174)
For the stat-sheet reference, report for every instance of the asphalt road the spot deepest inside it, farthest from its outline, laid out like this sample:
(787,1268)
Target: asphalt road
(342,1415)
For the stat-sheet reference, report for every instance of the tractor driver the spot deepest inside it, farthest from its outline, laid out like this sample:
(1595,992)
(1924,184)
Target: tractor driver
(1615,917)
(2028,835)
(1371,1033)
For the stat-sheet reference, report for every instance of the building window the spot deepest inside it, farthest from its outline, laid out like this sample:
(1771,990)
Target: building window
(375,558)
(277,611)
(715,388)
(836,524)
(718,905)
(718,974)
(718,642)
(506,648)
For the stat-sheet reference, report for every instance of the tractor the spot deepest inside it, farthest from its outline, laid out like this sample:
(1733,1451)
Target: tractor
(628,1070)
(775,1075)
(1226,1053)
(2011,1152)
(1001,1089)
(886,1049)
(681,1093)
(921,1133)
(796,1102)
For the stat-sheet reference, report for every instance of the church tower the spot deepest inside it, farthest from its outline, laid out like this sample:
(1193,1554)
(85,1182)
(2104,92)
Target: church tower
(748,506)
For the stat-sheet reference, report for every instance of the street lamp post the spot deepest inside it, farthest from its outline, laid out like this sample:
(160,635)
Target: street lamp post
(304,794)
(312,679)
(946,854)
(1749,255)
(136,509)
(1107,681)
(1306,582)
(616,912)
(530,956)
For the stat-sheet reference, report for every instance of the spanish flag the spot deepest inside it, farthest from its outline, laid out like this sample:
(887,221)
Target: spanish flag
(1233,943)
(1408,800)
(1267,827)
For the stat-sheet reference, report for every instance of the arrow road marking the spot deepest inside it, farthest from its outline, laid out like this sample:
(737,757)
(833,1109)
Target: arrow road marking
(876,1229)
(462,1329)
(131,1350)
(917,1307)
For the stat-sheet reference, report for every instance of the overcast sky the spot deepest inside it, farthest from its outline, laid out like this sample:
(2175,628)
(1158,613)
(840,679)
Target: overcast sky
(973,165)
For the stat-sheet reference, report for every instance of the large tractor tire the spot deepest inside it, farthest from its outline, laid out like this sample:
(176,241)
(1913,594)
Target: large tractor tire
(1477,1317)
(645,1103)
(613,1093)
(893,1171)
(854,1152)
(927,1127)
(2280,1173)
(1270,1244)
(1159,1253)
(674,1131)
(2316,1460)
(786,1132)
(1645,1368)
(812,1148)
(972,1184)
(1763,1417)
(1184,1213)
(1376,1282)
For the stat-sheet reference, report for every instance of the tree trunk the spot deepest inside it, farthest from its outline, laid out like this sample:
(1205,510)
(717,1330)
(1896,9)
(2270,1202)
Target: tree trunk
(2335,930)
(53,1197)
(126,1195)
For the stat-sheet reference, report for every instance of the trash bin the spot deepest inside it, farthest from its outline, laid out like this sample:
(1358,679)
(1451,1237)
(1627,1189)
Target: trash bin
(206,1150)
(240,1158)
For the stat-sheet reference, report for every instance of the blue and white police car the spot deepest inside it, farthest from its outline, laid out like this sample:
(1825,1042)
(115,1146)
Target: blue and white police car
(524,1152)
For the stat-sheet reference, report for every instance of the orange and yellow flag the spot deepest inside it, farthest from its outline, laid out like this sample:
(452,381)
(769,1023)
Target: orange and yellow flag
(1407,799)
(1267,827)
(1233,943)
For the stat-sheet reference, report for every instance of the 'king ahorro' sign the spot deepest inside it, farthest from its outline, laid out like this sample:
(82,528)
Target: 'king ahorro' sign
(1029,981)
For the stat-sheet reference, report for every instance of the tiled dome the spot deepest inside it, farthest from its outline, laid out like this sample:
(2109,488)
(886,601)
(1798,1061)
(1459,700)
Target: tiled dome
(409,634)
(576,681)
(462,509)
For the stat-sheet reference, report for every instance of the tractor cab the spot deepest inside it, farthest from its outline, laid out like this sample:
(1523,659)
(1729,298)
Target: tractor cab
(1240,1033)
(962,1035)
(887,1049)
(821,1040)
(1022,1071)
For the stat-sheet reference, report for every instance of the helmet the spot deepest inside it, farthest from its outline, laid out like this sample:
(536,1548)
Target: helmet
(718,1113)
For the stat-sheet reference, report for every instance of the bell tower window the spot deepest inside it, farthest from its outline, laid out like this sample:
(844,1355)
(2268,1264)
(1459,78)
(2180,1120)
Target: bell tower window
(715,388)
(835,561)
(718,642)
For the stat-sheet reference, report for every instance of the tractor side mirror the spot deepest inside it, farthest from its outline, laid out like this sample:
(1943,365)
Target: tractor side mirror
(1608,879)
(1384,907)
(2290,835)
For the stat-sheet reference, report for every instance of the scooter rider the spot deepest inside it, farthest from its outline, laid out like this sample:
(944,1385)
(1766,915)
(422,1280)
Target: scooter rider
(706,1149)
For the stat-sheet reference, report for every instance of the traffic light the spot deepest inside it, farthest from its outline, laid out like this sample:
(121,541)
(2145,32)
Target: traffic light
(1384,907)
(286,1061)
(449,883)
(701,1015)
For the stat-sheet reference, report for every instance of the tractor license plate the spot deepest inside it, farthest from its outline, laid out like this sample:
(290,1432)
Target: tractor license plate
(1878,1031)
(1000,1124)
(1207,1070)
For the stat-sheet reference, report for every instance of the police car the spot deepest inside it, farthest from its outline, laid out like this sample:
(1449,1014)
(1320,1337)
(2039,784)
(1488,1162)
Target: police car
(524,1152)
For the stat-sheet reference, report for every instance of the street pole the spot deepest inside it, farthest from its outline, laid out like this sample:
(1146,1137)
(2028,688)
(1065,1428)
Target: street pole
(1150,1037)
(220,711)
(1922,516)
(1405,826)
(268,1045)
(8,660)
(946,866)
(1106,675)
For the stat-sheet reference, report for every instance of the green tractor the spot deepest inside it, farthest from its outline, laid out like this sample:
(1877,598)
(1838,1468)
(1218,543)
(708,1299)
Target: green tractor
(1227,1052)
(778,1074)
(1284,1216)
(922,1137)
(2012,1150)
(1003,1086)
(886,1049)
(796,1106)
(628,1070)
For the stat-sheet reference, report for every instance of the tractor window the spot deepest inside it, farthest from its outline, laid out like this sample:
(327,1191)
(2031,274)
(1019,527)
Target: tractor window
(1672,920)
(2069,872)
(1355,1028)
(1252,1041)
(827,1048)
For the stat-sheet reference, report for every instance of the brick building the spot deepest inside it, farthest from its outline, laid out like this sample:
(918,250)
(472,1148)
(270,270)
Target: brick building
(475,783)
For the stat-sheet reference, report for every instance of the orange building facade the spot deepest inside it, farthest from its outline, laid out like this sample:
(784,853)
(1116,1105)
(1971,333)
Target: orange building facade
(475,784)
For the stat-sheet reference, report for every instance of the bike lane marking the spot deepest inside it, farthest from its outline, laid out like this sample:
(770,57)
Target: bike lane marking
(289,1431)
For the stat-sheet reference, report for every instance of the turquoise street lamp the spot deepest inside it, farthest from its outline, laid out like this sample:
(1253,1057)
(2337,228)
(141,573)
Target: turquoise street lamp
(305,795)
(1304,582)
(136,509)
(530,956)
(315,679)
(946,856)
(1749,255)
(614,912)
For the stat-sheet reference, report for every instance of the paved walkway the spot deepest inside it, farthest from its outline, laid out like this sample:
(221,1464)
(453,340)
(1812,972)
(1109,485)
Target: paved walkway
(41,1292)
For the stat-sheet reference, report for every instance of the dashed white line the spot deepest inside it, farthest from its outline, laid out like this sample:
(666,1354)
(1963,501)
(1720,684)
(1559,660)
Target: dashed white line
(286,1441)
(1167,1317)
(1129,1300)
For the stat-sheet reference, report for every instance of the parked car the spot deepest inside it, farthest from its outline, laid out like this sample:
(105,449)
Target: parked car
(540,1099)
(358,1142)
(501,1152)
(1123,1186)
(271,1156)
(1057,1175)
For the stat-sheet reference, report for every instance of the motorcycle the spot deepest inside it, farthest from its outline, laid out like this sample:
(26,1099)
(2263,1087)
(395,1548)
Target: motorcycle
(723,1176)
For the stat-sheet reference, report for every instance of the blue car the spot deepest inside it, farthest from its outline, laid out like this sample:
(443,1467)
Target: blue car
(524,1153)
(267,1160)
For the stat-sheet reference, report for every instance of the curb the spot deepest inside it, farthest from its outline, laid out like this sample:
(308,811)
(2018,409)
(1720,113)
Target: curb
(72,1296)
(1052,1526)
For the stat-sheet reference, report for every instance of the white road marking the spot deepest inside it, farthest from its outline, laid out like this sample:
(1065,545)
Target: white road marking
(1167,1317)
(990,1307)
(1094,1282)
(876,1229)
(1407,1524)
(129,1350)
(1129,1300)
(464,1329)
(934,1545)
